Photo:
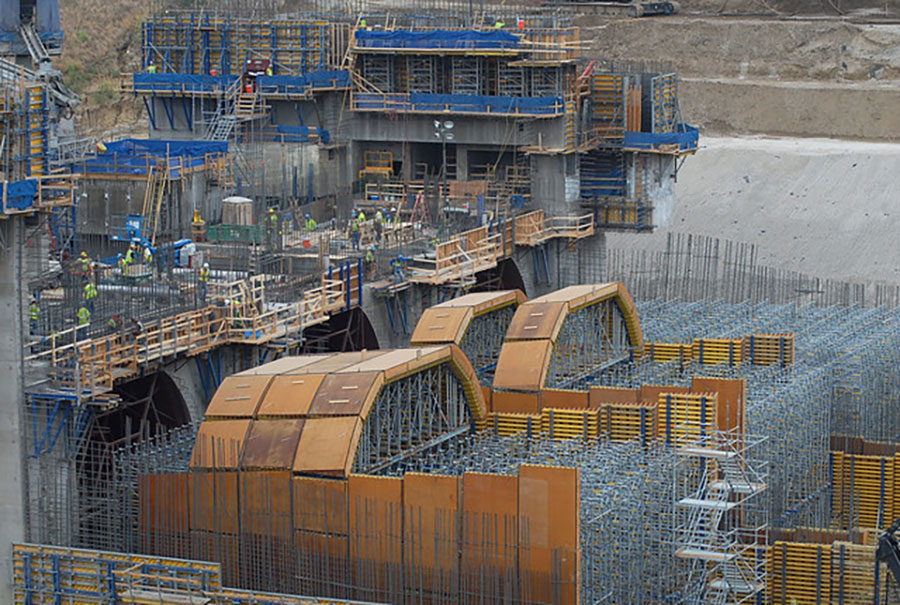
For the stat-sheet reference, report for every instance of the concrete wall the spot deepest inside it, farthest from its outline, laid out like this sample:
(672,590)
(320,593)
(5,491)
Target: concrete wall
(103,204)
(12,518)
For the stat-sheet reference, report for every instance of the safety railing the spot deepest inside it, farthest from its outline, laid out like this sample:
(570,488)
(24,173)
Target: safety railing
(534,228)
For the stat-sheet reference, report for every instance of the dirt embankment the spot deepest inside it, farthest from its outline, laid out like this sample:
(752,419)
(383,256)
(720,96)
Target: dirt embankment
(102,41)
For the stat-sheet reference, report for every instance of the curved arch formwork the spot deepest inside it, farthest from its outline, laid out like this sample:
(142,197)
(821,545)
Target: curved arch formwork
(330,415)
(563,338)
(476,322)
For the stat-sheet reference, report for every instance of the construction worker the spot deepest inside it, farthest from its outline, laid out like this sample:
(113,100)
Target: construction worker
(123,266)
(148,255)
(354,230)
(272,226)
(362,216)
(82,319)
(370,262)
(151,68)
(269,70)
(137,328)
(362,23)
(379,224)
(310,224)
(114,323)
(34,315)
(498,24)
(397,268)
(202,280)
(129,256)
(84,266)
(101,147)
(90,293)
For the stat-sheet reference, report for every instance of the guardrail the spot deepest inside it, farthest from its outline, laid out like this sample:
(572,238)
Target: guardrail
(534,228)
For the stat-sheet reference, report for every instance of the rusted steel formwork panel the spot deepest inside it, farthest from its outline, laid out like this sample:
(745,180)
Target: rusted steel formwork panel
(564,398)
(732,397)
(327,446)
(265,500)
(601,395)
(513,402)
(164,513)
(537,320)
(215,502)
(320,505)
(650,392)
(346,394)
(375,534)
(489,536)
(238,397)
(272,444)
(219,444)
(549,528)
(439,325)
(290,395)
(431,536)
(523,366)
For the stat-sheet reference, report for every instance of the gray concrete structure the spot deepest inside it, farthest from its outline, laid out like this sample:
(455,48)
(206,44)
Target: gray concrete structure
(12,316)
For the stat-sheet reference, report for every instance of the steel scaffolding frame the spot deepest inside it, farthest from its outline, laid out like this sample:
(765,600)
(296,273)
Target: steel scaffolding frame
(510,80)
(420,73)
(378,72)
(466,74)
(591,339)
(483,340)
(546,81)
(411,415)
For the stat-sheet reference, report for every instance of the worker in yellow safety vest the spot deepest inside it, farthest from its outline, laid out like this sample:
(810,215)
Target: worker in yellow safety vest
(379,224)
(148,255)
(82,319)
(498,24)
(354,230)
(90,293)
(362,216)
(84,266)
(129,256)
(123,266)
(34,314)
(202,280)
(362,23)
(269,70)
(151,68)
(310,224)
(370,262)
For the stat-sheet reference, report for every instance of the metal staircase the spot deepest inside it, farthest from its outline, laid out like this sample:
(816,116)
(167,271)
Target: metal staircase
(717,535)
(234,106)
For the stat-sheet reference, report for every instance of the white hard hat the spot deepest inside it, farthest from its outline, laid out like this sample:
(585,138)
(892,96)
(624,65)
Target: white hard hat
(227,301)
(206,265)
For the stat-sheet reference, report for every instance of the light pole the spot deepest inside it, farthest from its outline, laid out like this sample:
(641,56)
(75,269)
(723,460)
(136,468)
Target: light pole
(444,132)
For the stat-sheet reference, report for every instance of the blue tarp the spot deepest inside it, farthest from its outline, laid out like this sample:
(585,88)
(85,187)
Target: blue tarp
(435,39)
(20,194)
(163,148)
(134,156)
(300,134)
(300,84)
(461,103)
(186,82)
(685,137)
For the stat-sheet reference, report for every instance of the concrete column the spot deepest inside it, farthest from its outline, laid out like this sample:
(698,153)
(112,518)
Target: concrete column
(12,518)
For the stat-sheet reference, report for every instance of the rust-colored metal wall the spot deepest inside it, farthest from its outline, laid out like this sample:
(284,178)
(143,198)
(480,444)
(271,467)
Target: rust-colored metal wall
(429,538)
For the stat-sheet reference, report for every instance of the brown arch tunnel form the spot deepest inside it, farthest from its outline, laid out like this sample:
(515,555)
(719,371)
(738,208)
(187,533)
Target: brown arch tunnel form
(309,414)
